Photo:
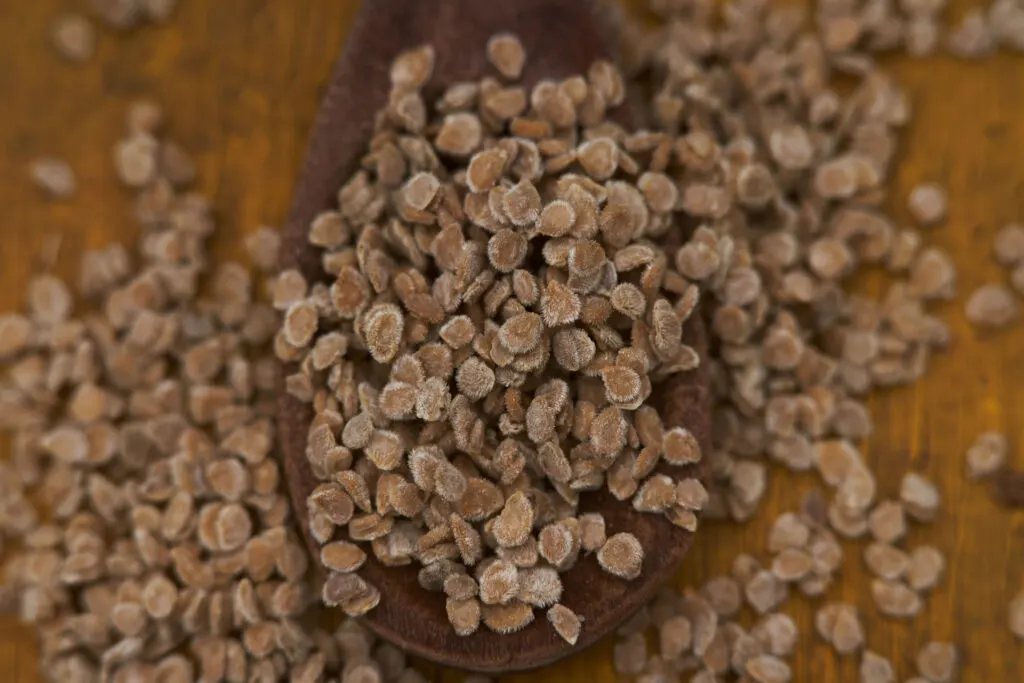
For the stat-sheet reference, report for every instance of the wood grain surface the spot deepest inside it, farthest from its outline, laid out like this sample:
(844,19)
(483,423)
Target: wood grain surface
(241,80)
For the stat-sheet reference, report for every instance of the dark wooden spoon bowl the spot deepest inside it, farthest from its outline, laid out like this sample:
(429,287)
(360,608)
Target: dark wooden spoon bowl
(562,37)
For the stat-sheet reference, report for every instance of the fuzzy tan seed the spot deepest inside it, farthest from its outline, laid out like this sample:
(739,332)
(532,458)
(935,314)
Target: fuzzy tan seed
(919,496)
(506,54)
(565,622)
(926,567)
(986,455)
(895,599)
(927,204)
(681,447)
(991,306)
(460,135)
(938,662)
(622,555)
(464,615)
(54,176)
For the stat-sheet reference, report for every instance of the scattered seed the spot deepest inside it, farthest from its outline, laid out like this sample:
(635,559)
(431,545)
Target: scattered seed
(991,306)
(565,622)
(1008,246)
(54,176)
(74,37)
(927,204)
(895,599)
(768,669)
(986,455)
(919,496)
(937,662)
(887,522)
(875,669)
(926,567)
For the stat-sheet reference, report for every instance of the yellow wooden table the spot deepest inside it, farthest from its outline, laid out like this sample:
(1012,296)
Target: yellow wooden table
(241,81)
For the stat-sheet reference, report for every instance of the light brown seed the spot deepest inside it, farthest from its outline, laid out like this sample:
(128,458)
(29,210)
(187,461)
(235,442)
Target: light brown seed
(592,531)
(768,669)
(875,669)
(847,633)
(777,633)
(506,250)
(558,544)
(887,522)
(521,333)
(895,599)
(300,324)
(382,328)
(512,526)
(657,494)
(991,306)
(791,147)
(675,637)
(342,556)
(135,159)
(49,300)
(506,54)
(460,135)
(938,662)
(385,449)
(886,561)
(460,587)
(540,586)
(74,37)
(927,204)
(559,305)
(788,531)
(1008,246)
(420,190)
(467,539)
(413,68)
(485,168)
(622,555)
(475,379)
(233,527)
(681,447)
(599,158)
(557,219)
(54,176)
(792,564)
(723,595)
(464,615)
(622,385)
(159,597)
(566,623)
(499,583)
(933,275)
(764,592)
(926,567)
(509,618)
(986,455)
(522,203)
(919,496)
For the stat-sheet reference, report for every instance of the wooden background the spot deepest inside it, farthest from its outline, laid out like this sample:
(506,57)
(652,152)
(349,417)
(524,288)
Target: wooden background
(241,80)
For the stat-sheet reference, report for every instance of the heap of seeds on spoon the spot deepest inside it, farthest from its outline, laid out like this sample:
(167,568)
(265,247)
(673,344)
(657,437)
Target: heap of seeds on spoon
(500,310)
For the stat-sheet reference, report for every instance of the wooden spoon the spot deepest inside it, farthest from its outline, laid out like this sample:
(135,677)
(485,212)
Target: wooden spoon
(562,38)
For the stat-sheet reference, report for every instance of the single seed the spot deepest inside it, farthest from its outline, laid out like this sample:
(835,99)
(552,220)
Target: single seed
(622,555)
